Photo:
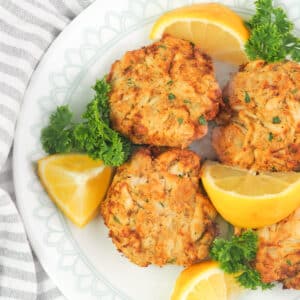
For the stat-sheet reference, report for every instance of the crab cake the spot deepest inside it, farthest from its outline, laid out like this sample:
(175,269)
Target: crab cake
(155,210)
(260,127)
(278,256)
(164,94)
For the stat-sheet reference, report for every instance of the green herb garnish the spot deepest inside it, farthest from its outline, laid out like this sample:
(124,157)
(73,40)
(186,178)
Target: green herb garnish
(294,91)
(251,279)
(202,120)
(271,36)
(116,219)
(130,82)
(58,136)
(162,46)
(236,255)
(276,120)
(247,97)
(171,260)
(288,262)
(170,82)
(171,96)
(180,121)
(92,135)
(271,136)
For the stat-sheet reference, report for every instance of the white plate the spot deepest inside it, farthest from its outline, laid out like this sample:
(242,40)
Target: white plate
(83,262)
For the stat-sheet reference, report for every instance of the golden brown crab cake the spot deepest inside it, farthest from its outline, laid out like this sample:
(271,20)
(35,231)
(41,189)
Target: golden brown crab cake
(260,126)
(278,256)
(164,93)
(155,211)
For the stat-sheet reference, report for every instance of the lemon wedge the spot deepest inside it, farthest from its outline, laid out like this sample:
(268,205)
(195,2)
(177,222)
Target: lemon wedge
(213,27)
(76,184)
(205,281)
(250,200)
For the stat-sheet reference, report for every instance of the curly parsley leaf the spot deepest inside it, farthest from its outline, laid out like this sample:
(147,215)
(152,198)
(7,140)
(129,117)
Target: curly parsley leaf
(102,89)
(250,279)
(57,137)
(236,255)
(93,135)
(271,36)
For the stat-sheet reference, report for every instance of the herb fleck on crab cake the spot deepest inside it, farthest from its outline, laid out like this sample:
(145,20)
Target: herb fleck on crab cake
(260,127)
(164,94)
(155,210)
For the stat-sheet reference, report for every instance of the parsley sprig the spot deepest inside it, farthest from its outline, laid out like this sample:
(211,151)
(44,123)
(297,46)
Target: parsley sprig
(271,36)
(92,135)
(235,257)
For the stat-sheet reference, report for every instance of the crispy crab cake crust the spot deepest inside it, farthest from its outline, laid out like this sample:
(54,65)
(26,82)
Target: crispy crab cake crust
(159,92)
(260,126)
(155,211)
(278,255)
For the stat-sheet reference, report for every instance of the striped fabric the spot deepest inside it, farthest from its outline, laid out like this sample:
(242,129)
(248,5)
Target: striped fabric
(27,28)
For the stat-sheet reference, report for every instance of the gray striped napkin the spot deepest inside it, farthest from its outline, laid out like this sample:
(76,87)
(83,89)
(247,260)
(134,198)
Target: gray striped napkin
(27,28)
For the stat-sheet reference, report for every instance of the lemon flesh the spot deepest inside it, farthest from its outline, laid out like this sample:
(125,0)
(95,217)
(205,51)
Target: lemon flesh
(75,183)
(205,281)
(249,200)
(213,27)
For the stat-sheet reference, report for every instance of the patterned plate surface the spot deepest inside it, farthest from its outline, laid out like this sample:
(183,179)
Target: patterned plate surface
(84,263)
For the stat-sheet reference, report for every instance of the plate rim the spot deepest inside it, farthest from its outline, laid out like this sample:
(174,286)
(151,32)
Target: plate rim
(17,139)
(18,131)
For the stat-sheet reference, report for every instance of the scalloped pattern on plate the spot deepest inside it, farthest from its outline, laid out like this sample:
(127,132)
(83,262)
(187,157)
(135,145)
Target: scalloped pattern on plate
(78,59)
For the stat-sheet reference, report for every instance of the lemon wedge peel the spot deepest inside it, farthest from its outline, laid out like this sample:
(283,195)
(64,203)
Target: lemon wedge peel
(253,211)
(156,34)
(75,183)
(189,288)
(215,28)
(290,186)
(207,281)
